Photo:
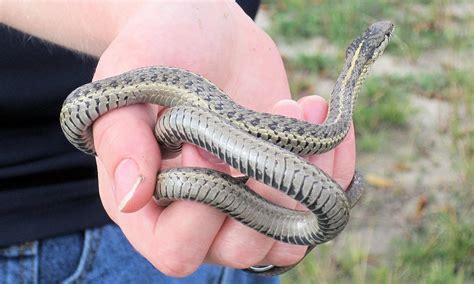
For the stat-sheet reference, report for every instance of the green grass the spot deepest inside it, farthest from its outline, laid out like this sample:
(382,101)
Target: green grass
(320,64)
(326,266)
(339,21)
(438,248)
(304,69)
(383,104)
(442,252)
(460,91)
(419,26)
(441,248)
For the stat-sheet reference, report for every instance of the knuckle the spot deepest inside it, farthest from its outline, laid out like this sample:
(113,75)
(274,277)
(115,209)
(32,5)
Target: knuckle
(286,255)
(176,266)
(242,256)
(344,176)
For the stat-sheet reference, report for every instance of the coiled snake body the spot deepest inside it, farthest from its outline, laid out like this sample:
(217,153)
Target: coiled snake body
(202,114)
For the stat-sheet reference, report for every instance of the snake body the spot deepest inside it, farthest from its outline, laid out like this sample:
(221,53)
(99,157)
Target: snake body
(262,146)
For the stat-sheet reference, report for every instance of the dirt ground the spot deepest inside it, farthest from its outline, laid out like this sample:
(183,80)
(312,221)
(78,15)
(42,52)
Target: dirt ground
(416,167)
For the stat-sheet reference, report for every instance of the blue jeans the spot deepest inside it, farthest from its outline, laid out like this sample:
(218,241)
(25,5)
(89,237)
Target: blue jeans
(100,255)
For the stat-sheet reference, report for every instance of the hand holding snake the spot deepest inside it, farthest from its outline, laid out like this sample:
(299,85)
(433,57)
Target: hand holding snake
(206,117)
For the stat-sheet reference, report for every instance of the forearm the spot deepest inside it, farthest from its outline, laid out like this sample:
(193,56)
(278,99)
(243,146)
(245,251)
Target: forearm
(212,38)
(87,26)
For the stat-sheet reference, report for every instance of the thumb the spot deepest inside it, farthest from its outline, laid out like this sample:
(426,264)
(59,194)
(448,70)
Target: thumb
(127,148)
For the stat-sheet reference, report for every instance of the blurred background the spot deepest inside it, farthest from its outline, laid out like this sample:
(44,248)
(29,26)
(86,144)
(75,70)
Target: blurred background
(415,131)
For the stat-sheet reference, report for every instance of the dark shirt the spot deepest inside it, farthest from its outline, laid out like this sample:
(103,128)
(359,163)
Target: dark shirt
(47,187)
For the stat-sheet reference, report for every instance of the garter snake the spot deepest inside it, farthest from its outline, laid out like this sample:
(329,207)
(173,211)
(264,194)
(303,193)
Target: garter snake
(262,146)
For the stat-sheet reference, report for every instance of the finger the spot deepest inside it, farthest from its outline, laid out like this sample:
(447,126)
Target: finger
(125,144)
(142,230)
(106,191)
(186,229)
(160,237)
(315,111)
(344,159)
(312,110)
(239,246)
(138,226)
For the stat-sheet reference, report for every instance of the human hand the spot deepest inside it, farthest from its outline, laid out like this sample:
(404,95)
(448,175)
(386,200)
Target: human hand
(219,42)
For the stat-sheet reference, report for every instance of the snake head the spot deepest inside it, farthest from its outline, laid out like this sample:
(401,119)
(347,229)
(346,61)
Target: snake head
(371,44)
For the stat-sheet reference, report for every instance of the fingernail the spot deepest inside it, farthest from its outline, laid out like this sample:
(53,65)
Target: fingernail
(127,179)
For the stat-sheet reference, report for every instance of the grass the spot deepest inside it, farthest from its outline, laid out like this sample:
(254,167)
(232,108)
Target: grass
(442,249)
(382,104)
(304,68)
(384,100)
(438,248)
(320,64)
(420,25)
(325,266)
(460,91)
(440,252)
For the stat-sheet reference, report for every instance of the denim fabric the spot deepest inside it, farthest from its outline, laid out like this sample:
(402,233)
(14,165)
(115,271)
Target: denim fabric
(101,255)
(18,264)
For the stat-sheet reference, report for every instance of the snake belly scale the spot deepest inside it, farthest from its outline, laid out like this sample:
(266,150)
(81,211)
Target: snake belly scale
(261,146)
